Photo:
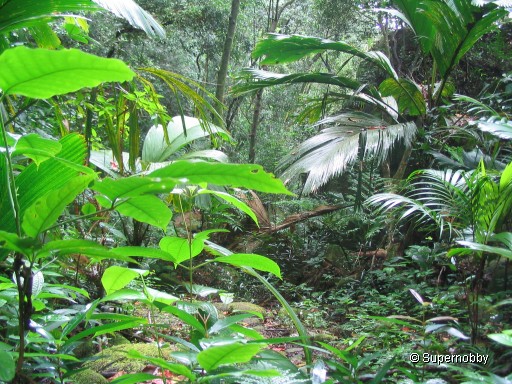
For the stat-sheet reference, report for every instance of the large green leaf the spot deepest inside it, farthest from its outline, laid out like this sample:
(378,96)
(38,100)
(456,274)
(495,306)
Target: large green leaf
(34,182)
(150,253)
(7,368)
(134,186)
(115,278)
(12,242)
(176,368)
(263,79)
(258,262)
(232,200)
(88,248)
(407,94)
(46,210)
(36,148)
(235,175)
(147,209)
(25,13)
(41,73)
(279,49)
(181,249)
(216,356)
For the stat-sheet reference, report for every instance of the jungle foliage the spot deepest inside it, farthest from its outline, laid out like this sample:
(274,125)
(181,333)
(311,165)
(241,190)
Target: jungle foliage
(131,205)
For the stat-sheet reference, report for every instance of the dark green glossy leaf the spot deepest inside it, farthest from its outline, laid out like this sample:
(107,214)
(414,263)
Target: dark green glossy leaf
(279,49)
(407,94)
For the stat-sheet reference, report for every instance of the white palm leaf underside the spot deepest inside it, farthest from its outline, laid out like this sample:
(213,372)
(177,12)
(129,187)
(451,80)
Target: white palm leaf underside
(135,15)
(329,153)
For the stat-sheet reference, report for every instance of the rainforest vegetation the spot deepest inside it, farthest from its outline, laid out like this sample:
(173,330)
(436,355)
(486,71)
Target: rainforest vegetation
(255,191)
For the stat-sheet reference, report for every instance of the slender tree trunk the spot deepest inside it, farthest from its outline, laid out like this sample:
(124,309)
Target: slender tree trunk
(254,125)
(224,62)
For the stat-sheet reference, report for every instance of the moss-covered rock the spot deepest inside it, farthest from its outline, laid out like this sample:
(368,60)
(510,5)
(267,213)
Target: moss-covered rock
(87,376)
(115,359)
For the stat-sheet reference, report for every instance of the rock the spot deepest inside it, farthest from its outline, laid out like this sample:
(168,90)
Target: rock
(87,376)
(114,359)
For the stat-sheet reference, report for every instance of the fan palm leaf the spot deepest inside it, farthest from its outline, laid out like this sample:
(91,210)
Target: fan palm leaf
(329,153)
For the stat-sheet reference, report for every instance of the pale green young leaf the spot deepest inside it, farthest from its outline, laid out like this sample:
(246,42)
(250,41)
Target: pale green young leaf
(181,249)
(115,277)
(258,262)
(41,73)
(36,148)
(216,356)
(45,211)
(248,176)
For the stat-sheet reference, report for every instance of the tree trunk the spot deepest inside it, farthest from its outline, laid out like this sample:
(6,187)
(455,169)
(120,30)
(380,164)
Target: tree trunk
(226,53)
(254,125)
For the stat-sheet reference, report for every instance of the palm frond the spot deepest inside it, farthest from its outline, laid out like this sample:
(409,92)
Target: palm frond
(134,14)
(328,154)
(278,49)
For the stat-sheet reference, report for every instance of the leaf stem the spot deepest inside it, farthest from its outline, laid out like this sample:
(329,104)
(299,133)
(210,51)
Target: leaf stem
(11,183)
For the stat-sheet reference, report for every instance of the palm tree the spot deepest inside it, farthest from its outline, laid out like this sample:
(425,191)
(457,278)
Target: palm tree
(467,207)
(445,31)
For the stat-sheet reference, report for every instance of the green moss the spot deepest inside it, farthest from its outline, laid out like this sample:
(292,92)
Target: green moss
(243,306)
(87,376)
(114,359)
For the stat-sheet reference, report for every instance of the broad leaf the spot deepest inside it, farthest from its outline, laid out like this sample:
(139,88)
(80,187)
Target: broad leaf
(46,210)
(186,318)
(279,49)
(232,200)
(150,253)
(159,296)
(36,148)
(407,94)
(115,278)
(134,378)
(133,187)
(216,356)
(235,175)
(502,338)
(181,249)
(227,322)
(146,209)
(7,368)
(46,73)
(175,368)
(12,242)
(82,247)
(35,182)
(471,246)
(260,263)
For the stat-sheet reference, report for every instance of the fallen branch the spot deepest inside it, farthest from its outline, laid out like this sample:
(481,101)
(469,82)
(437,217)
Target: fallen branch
(298,217)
